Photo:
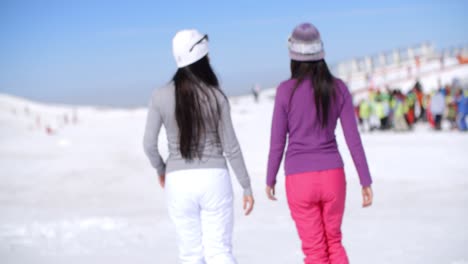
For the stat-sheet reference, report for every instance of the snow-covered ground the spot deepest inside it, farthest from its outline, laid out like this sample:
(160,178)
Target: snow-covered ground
(87,193)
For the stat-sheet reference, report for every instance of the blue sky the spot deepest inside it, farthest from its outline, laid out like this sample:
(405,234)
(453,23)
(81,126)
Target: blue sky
(116,52)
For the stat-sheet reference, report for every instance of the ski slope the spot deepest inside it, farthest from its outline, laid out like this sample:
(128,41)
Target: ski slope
(87,194)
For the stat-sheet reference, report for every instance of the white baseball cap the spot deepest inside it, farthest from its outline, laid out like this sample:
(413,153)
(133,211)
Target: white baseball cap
(189,46)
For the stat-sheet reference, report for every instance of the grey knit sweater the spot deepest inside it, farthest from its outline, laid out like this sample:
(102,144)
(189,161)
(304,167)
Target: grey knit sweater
(161,111)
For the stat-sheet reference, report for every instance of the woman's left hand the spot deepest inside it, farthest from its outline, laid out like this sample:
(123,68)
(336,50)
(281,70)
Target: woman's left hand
(367,196)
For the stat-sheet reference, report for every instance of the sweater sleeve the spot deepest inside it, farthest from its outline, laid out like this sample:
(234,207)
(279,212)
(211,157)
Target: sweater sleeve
(232,149)
(279,130)
(150,139)
(352,137)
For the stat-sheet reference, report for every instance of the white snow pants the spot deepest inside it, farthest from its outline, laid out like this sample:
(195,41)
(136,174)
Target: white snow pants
(200,204)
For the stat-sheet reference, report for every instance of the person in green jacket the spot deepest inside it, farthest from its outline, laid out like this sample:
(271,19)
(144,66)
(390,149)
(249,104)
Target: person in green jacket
(364,115)
(382,110)
(399,121)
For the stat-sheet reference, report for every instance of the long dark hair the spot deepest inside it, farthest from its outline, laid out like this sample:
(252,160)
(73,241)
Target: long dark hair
(196,105)
(323,85)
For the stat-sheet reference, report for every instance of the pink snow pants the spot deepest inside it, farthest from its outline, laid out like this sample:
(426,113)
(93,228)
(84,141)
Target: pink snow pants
(317,201)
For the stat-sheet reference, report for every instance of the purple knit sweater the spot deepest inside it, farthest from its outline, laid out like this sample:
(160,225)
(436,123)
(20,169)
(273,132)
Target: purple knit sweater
(311,148)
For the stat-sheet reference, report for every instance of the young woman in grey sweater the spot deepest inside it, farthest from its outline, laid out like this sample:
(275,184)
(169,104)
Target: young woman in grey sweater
(200,136)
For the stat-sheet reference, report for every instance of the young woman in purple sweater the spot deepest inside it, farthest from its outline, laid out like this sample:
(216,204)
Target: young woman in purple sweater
(307,108)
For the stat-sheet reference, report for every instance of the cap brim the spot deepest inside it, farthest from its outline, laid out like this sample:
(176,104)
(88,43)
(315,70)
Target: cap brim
(307,57)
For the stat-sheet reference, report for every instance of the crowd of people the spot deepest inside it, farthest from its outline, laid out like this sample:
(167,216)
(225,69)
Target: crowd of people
(392,109)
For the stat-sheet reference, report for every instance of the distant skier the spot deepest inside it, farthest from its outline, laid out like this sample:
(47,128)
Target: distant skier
(452,113)
(410,103)
(382,109)
(430,117)
(364,115)
(399,122)
(75,117)
(307,108)
(438,108)
(256,92)
(65,119)
(417,89)
(49,130)
(197,119)
(462,107)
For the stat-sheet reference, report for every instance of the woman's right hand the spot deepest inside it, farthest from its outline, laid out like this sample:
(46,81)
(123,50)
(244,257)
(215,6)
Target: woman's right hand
(367,196)
(270,192)
(248,204)
(162,180)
